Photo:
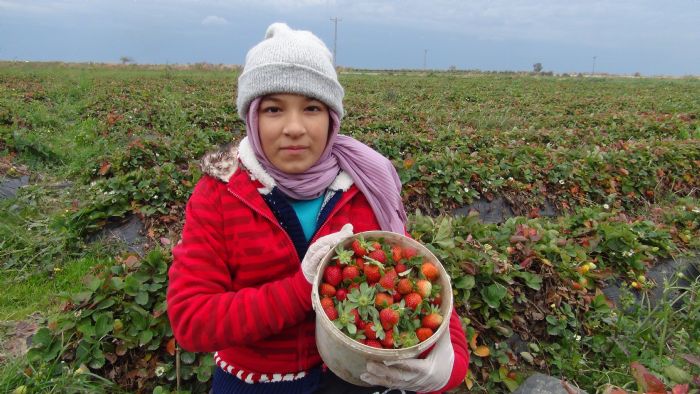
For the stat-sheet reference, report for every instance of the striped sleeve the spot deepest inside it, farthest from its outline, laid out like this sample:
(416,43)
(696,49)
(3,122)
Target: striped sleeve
(205,314)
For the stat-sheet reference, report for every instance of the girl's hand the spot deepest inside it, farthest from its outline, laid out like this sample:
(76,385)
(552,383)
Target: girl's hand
(421,375)
(319,249)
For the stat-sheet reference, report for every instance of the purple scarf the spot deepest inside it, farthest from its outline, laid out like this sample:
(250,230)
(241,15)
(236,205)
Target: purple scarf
(373,173)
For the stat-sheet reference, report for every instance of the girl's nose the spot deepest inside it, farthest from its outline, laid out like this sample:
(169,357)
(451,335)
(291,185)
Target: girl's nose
(294,126)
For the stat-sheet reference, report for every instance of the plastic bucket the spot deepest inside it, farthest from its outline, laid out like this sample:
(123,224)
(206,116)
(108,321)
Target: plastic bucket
(348,358)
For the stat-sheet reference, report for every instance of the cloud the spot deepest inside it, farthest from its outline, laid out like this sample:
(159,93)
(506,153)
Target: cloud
(213,20)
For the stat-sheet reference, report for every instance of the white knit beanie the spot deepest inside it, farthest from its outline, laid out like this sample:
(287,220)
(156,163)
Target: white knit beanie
(289,61)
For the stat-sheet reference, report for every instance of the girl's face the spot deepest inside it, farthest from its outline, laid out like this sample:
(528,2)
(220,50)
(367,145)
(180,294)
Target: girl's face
(293,131)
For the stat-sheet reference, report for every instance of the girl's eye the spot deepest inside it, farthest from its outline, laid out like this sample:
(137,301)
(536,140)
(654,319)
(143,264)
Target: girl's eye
(314,108)
(271,109)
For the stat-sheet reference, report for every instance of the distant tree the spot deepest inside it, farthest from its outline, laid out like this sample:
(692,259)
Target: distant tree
(453,68)
(126,59)
(537,67)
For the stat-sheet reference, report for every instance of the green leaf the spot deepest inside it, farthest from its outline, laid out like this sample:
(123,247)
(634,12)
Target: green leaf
(86,328)
(142,298)
(493,295)
(42,338)
(187,357)
(145,337)
(103,325)
(465,282)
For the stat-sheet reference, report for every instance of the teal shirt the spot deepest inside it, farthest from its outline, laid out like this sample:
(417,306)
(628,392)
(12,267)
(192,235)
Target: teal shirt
(307,213)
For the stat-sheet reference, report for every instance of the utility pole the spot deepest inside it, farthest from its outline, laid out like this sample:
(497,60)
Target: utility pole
(425,59)
(594,57)
(335,38)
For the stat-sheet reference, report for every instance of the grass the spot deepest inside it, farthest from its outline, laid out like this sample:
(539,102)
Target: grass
(26,294)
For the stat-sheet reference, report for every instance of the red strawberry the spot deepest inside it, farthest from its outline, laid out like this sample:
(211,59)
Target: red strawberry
(378,254)
(331,312)
(437,300)
(404,286)
(327,290)
(388,318)
(360,324)
(424,287)
(388,341)
(373,343)
(388,280)
(423,333)
(409,253)
(397,297)
(396,253)
(341,294)
(369,331)
(350,272)
(432,320)
(360,263)
(353,285)
(383,300)
(327,302)
(412,300)
(358,248)
(400,267)
(358,321)
(430,271)
(333,275)
(372,273)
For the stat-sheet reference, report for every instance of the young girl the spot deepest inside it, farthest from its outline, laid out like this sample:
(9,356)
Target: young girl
(264,214)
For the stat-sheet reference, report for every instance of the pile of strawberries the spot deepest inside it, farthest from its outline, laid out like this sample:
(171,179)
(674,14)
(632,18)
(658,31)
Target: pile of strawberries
(381,294)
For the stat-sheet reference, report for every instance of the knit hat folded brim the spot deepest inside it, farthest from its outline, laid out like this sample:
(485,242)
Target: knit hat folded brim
(292,78)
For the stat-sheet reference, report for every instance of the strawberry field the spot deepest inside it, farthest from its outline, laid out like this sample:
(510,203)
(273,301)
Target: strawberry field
(599,177)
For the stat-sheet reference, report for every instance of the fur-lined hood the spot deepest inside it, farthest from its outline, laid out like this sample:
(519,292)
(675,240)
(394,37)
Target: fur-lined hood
(223,163)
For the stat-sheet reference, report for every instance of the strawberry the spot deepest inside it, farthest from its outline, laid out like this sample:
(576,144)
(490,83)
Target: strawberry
(341,294)
(333,275)
(423,333)
(388,280)
(412,300)
(331,312)
(326,302)
(424,287)
(350,272)
(327,290)
(404,286)
(359,247)
(388,341)
(388,318)
(430,271)
(432,320)
(396,253)
(353,285)
(378,254)
(358,321)
(409,253)
(370,333)
(372,273)
(383,300)
(400,267)
(437,300)
(397,297)
(360,263)
(373,343)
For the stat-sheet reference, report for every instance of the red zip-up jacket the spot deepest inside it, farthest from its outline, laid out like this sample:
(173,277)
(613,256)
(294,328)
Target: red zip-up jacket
(236,285)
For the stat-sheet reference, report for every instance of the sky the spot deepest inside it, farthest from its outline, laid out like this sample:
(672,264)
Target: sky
(565,36)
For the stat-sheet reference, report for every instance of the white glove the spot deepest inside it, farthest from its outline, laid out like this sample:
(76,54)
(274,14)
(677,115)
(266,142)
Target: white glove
(421,375)
(319,249)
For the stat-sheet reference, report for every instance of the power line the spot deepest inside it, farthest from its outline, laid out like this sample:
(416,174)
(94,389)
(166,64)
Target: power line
(335,38)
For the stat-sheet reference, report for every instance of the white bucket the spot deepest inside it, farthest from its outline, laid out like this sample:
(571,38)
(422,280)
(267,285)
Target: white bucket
(348,358)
